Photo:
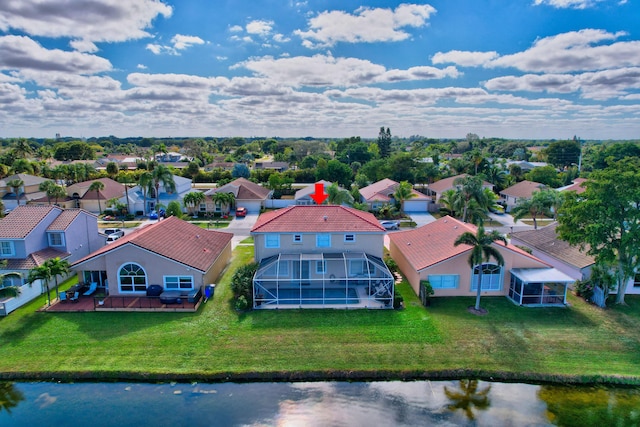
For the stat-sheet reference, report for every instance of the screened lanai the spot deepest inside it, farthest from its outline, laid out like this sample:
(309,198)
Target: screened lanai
(539,286)
(324,280)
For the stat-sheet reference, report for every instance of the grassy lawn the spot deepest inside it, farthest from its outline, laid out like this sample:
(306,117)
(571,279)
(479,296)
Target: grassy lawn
(217,342)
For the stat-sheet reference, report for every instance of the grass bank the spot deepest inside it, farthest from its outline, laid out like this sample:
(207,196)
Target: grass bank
(577,344)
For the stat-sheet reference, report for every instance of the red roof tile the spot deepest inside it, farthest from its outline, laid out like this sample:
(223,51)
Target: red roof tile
(576,186)
(523,189)
(381,190)
(112,189)
(318,219)
(35,259)
(447,184)
(174,239)
(23,219)
(434,242)
(242,189)
(65,219)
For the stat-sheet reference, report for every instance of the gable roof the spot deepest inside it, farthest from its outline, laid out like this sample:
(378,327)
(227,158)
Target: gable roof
(575,186)
(445,184)
(23,219)
(28,180)
(318,219)
(242,189)
(546,240)
(523,189)
(65,219)
(174,239)
(112,189)
(383,191)
(434,242)
(309,189)
(35,259)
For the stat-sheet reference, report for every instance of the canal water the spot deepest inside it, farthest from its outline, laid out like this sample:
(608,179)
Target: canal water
(394,403)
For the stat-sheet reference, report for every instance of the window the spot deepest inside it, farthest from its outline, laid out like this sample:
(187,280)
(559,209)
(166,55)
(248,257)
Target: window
(132,278)
(349,238)
(56,239)
(297,238)
(202,207)
(636,280)
(491,277)
(357,267)
(272,241)
(444,281)
(7,248)
(178,282)
(321,267)
(323,240)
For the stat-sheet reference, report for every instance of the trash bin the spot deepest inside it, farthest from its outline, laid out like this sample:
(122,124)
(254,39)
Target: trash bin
(209,290)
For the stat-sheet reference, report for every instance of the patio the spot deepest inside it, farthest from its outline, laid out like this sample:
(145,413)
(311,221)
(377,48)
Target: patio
(122,303)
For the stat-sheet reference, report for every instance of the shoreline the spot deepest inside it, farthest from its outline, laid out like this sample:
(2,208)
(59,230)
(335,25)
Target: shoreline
(320,376)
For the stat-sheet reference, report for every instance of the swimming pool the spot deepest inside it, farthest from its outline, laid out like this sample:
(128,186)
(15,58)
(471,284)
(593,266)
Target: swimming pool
(315,296)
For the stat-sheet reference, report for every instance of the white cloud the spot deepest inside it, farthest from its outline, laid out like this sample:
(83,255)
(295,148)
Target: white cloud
(366,25)
(91,20)
(260,28)
(179,42)
(464,58)
(141,67)
(236,29)
(83,46)
(23,53)
(568,4)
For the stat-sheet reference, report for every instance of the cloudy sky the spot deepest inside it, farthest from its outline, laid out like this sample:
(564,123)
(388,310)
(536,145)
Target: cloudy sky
(325,68)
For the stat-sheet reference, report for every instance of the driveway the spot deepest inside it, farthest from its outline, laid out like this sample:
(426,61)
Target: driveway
(421,218)
(241,227)
(508,224)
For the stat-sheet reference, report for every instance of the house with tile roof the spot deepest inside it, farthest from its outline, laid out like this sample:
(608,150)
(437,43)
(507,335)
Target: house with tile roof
(29,191)
(545,244)
(143,202)
(246,193)
(523,190)
(172,253)
(321,256)
(381,193)
(303,196)
(31,235)
(88,200)
(428,254)
(576,185)
(436,189)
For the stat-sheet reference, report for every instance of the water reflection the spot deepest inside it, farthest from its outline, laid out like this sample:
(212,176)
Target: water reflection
(447,403)
(10,396)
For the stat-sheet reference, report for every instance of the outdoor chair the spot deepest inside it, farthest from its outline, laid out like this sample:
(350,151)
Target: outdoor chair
(92,289)
(75,297)
(62,296)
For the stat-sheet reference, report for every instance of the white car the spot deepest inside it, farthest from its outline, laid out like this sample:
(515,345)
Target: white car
(390,225)
(112,237)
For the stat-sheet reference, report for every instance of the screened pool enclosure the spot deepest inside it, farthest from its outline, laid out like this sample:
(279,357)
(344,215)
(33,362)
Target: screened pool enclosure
(325,280)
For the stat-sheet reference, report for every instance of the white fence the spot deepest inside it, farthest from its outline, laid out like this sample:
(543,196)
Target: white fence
(28,293)
(278,203)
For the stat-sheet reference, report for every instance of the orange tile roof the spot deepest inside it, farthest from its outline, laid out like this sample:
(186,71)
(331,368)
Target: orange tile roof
(174,239)
(35,259)
(317,219)
(381,190)
(112,189)
(434,242)
(242,189)
(65,219)
(23,219)
(523,189)
(445,184)
(576,186)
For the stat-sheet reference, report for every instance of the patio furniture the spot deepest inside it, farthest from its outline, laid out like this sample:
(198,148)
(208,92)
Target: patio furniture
(171,297)
(154,290)
(92,289)
(75,297)
(63,297)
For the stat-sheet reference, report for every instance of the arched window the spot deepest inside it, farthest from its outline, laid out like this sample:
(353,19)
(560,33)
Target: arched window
(132,278)
(491,277)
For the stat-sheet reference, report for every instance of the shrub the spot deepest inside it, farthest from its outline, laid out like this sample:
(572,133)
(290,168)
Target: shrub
(242,283)
(584,289)
(397,300)
(241,303)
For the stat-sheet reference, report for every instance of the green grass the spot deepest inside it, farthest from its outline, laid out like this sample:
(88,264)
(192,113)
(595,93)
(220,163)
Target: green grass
(444,340)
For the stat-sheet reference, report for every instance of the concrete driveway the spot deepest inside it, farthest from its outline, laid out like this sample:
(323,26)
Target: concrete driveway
(241,227)
(421,218)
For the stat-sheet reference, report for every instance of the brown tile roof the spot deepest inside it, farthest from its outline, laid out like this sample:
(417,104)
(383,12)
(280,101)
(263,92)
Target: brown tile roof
(111,189)
(36,259)
(28,180)
(65,219)
(380,191)
(23,219)
(174,239)
(242,189)
(576,186)
(523,189)
(318,219)
(434,243)
(447,183)
(546,240)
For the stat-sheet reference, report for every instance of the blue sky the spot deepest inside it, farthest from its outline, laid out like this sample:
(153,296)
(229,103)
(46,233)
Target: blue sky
(499,68)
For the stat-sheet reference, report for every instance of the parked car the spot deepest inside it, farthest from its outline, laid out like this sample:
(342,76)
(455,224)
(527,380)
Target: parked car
(153,215)
(162,213)
(116,231)
(390,225)
(241,212)
(112,237)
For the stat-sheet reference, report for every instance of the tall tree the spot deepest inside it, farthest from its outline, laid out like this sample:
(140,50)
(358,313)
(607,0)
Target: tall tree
(162,175)
(471,190)
(384,142)
(56,192)
(338,196)
(403,192)
(482,250)
(145,181)
(112,169)
(224,200)
(126,179)
(468,398)
(563,153)
(45,186)
(605,219)
(97,186)
(538,204)
(42,273)
(192,200)
(16,184)
(57,267)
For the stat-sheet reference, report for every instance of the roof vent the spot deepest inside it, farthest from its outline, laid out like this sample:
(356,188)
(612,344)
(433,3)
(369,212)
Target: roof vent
(455,227)
(325,217)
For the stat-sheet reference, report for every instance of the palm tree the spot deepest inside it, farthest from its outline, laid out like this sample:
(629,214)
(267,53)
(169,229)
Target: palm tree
(145,181)
(471,189)
(451,203)
(482,249)
(162,174)
(125,178)
(468,397)
(338,196)
(42,273)
(57,267)
(537,205)
(223,199)
(404,191)
(97,186)
(10,396)
(46,186)
(193,199)
(56,192)
(15,185)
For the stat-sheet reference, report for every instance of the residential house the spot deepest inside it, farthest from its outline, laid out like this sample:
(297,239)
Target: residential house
(576,185)
(276,166)
(31,235)
(382,192)
(322,256)
(545,244)
(246,193)
(436,189)
(227,166)
(29,191)
(95,201)
(172,253)
(428,254)
(525,166)
(303,196)
(523,190)
(139,203)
